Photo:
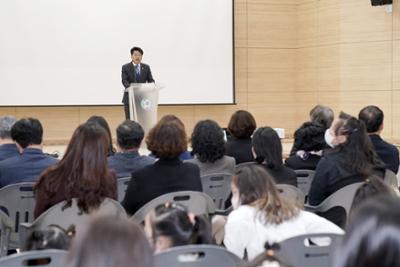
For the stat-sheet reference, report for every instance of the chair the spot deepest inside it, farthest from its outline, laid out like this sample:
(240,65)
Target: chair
(291,193)
(218,187)
(304,180)
(196,202)
(6,226)
(18,202)
(391,180)
(302,251)
(69,216)
(122,185)
(197,256)
(42,258)
(341,198)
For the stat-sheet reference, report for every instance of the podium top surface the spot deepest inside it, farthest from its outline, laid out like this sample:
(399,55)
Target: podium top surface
(145,86)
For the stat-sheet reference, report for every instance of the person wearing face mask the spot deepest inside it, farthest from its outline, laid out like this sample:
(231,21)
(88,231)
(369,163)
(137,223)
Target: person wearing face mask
(260,215)
(352,159)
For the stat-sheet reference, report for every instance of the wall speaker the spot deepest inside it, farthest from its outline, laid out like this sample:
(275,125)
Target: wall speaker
(381,2)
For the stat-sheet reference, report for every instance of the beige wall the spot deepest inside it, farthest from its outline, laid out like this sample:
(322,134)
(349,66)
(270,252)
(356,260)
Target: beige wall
(290,55)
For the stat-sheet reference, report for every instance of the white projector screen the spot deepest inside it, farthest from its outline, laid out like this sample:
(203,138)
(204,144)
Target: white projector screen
(70,52)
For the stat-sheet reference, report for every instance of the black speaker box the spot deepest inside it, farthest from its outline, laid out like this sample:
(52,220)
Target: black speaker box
(381,2)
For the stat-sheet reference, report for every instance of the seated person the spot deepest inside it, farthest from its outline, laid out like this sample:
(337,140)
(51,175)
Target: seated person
(351,160)
(103,123)
(208,148)
(372,116)
(127,160)
(166,140)
(170,225)
(8,148)
(241,126)
(267,148)
(28,134)
(311,142)
(82,173)
(261,215)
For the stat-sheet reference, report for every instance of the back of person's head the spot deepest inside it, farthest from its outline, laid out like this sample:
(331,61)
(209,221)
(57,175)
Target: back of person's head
(103,123)
(83,171)
(167,139)
(208,141)
(170,225)
(129,135)
(266,258)
(110,242)
(353,141)
(6,123)
(53,237)
(268,147)
(322,115)
(310,137)
(26,132)
(242,124)
(252,185)
(372,116)
(372,236)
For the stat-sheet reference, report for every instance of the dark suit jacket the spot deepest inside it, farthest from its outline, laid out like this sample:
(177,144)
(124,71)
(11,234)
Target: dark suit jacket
(162,177)
(8,151)
(388,153)
(295,162)
(126,163)
(128,76)
(24,168)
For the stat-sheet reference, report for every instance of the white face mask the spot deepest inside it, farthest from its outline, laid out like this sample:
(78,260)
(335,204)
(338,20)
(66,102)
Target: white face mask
(329,138)
(235,202)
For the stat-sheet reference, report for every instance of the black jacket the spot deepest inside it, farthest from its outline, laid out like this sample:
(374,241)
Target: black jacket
(128,76)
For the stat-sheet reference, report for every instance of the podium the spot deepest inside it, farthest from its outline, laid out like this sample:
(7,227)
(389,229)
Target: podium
(143,103)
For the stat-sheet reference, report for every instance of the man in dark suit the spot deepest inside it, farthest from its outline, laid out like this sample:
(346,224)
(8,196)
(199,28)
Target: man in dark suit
(373,119)
(128,160)
(134,72)
(28,134)
(8,148)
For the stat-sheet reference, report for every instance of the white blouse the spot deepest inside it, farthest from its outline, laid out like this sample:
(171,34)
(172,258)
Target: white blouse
(245,231)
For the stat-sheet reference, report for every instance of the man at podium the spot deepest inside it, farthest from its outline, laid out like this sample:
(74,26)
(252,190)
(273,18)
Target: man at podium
(134,72)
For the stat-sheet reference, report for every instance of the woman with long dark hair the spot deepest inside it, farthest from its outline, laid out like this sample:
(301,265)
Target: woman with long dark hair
(82,173)
(103,123)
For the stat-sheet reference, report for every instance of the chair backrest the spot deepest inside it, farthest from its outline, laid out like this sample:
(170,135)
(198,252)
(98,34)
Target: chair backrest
(304,180)
(18,202)
(304,251)
(341,198)
(196,202)
(70,216)
(391,180)
(122,185)
(6,226)
(291,193)
(218,187)
(42,258)
(197,256)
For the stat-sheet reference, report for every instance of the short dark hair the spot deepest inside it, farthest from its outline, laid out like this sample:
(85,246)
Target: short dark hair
(322,115)
(167,139)
(372,116)
(242,124)
(208,141)
(27,132)
(268,147)
(135,48)
(129,134)
(310,137)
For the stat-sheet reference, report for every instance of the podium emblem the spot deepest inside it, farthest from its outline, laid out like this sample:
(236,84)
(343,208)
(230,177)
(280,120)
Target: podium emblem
(145,104)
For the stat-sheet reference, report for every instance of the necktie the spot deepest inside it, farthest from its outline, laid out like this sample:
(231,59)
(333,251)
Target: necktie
(137,69)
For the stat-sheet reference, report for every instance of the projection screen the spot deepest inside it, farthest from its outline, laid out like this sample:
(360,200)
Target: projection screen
(70,52)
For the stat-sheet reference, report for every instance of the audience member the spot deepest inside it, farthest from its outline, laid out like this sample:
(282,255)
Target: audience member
(373,235)
(107,242)
(28,134)
(8,148)
(166,140)
(310,143)
(351,160)
(260,215)
(241,127)
(127,160)
(52,237)
(103,123)
(170,225)
(208,148)
(372,116)
(267,149)
(82,173)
